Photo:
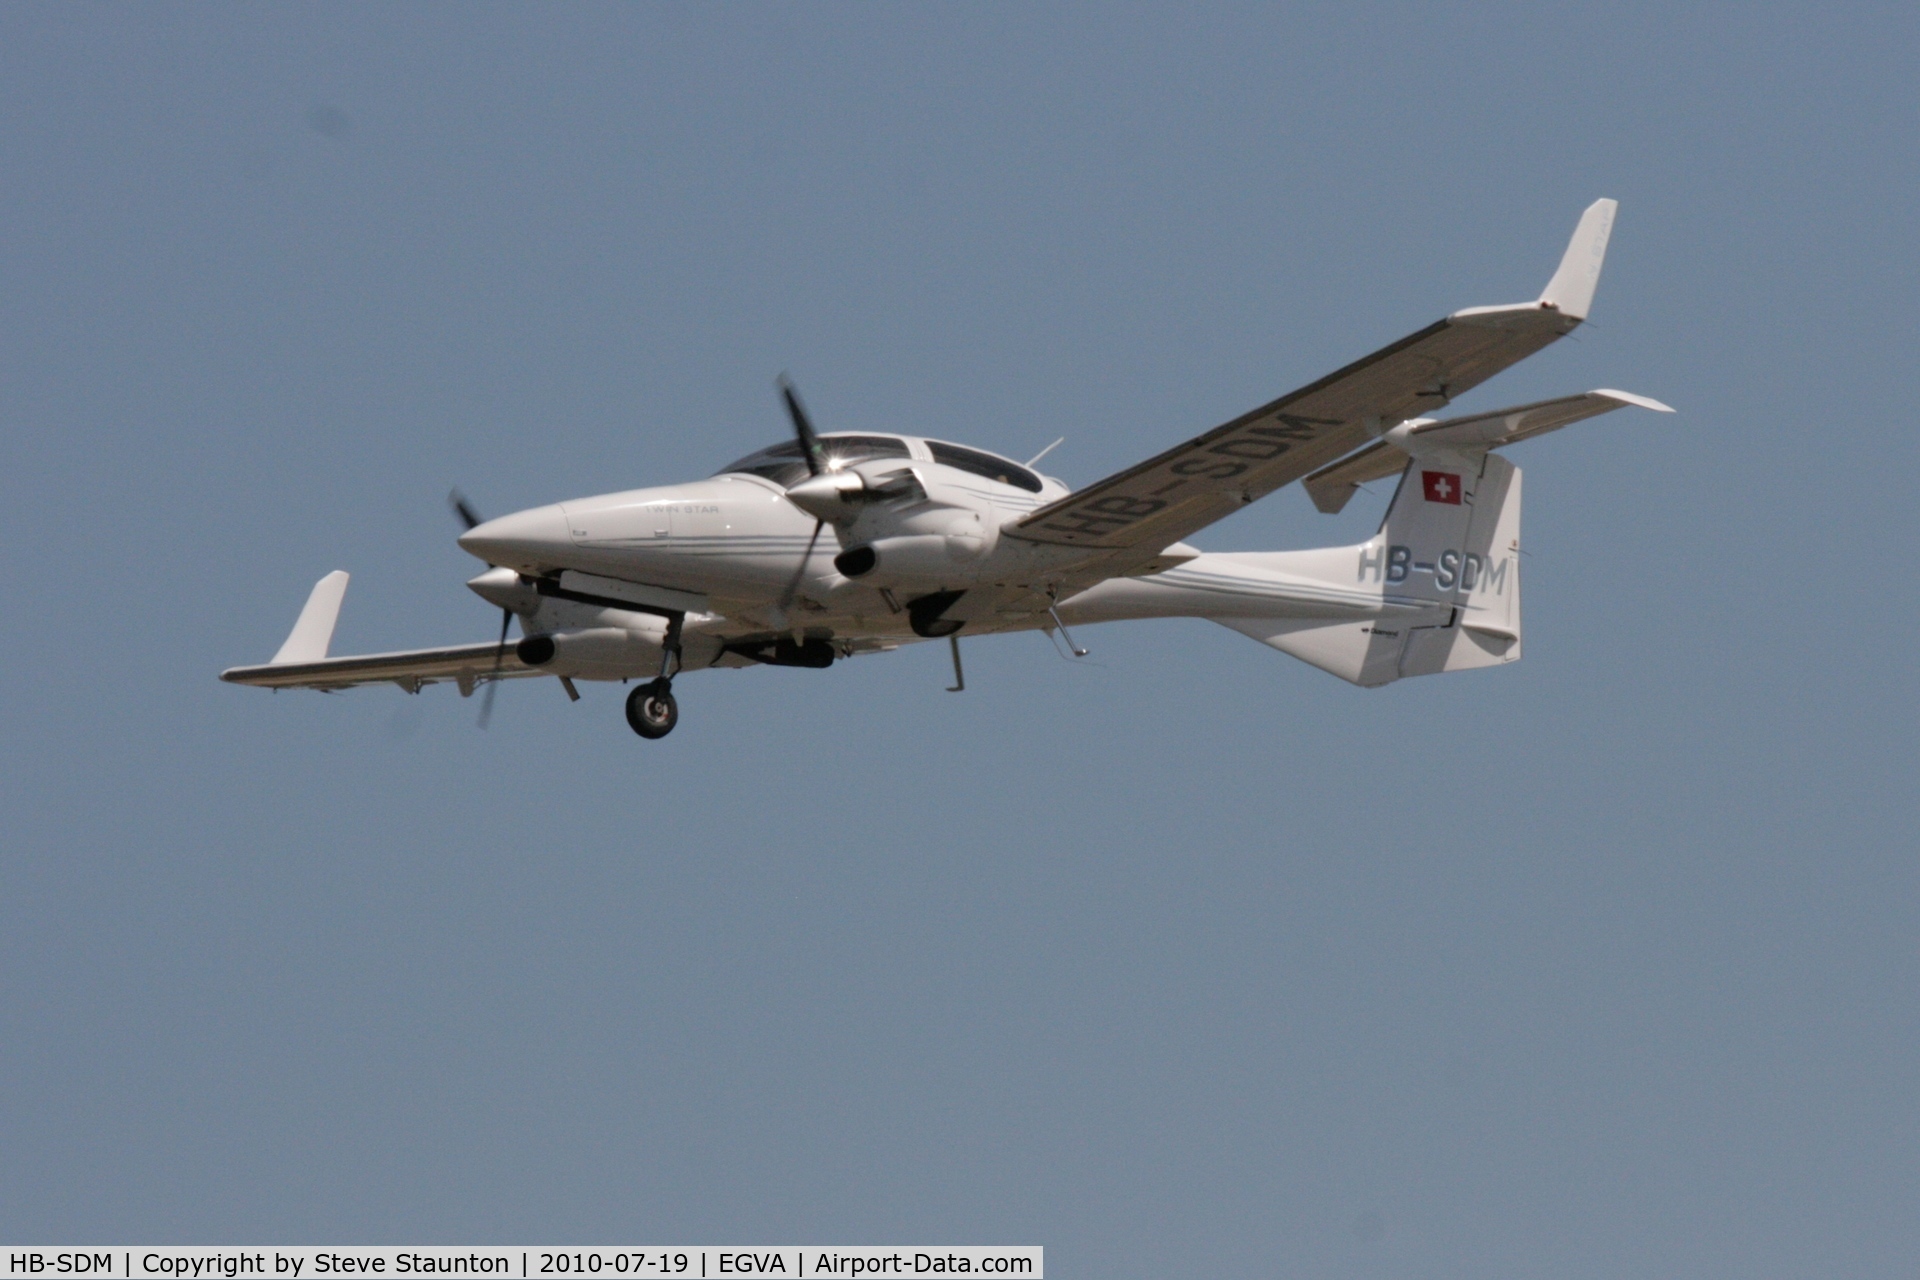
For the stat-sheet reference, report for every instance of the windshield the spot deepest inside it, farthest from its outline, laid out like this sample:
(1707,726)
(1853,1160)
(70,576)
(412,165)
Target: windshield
(784,465)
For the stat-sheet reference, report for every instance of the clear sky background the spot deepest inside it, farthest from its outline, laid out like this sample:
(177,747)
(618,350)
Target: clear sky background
(1186,959)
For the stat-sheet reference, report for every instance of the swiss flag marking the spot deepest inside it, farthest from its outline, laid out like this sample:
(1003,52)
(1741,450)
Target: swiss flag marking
(1441,486)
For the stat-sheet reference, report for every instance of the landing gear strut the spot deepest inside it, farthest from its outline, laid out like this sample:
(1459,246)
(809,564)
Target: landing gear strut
(651,709)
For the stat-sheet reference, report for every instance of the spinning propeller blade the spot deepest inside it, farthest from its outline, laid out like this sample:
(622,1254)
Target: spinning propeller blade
(468,516)
(499,656)
(810,449)
(816,460)
(793,583)
(471,518)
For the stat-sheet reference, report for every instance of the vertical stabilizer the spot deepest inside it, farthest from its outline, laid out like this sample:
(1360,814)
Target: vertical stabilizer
(1446,565)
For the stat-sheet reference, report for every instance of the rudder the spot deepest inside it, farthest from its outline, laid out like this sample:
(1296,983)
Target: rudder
(1451,539)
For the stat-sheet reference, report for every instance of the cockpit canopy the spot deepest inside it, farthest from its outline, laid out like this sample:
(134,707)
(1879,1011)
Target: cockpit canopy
(784,464)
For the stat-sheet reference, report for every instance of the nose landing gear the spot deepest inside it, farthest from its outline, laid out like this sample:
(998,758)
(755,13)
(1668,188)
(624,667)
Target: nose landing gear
(651,709)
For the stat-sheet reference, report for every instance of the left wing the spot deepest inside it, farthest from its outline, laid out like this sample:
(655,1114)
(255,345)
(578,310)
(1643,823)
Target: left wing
(1164,499)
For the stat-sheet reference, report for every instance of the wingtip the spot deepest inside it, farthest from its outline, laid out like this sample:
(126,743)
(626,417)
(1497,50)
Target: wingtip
(1627,397)
(1571,290)
(313,631)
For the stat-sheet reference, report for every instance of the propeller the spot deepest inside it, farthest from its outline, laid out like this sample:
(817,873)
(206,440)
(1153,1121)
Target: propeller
(827,495)
(467,516)
(499,656)
(793,584)
(802,427)
(816,459)
(461,508)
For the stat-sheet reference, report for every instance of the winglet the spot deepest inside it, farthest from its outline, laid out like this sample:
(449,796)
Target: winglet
(311,635)
(1627,397)
(1570,292)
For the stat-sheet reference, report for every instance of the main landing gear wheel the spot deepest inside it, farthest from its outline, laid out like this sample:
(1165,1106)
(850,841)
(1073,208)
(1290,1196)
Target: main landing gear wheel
(651,709)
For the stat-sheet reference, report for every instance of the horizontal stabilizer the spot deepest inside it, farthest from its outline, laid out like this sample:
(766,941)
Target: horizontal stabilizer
(1332,487)
(313,632)
(1508,426)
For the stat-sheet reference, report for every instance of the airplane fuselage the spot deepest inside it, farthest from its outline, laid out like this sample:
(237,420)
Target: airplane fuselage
(741,541)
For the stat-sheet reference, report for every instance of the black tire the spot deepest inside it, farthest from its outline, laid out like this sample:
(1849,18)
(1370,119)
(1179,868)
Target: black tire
(652,711)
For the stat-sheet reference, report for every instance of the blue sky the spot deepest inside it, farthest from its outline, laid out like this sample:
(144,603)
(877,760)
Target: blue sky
(1186,957)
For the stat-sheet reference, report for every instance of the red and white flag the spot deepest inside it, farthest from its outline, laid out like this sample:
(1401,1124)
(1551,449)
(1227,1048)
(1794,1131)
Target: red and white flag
(1441,486)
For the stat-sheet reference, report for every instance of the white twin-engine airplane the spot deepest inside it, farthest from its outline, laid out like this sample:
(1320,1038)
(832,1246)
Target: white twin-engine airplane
(930,539)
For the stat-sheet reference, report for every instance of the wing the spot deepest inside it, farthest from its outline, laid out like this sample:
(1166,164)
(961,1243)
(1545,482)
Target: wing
(467,664)
(302,662)
(1194,484)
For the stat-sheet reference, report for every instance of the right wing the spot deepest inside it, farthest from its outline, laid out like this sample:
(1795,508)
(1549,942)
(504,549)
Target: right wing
(466,664)
(302,662)
(1164,499)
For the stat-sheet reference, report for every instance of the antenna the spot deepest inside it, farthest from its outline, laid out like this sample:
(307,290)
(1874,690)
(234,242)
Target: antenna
(1044,452)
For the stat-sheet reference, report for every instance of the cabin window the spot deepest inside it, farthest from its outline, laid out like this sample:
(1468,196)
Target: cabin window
(985,464)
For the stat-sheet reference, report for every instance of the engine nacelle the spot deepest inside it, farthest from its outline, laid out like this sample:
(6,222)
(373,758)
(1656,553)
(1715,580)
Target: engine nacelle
(910,560)
(595,653)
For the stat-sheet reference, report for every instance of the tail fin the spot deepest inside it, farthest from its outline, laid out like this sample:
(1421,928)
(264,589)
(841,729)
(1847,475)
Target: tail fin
(1446,562)
(1451,539)
(1446,566)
